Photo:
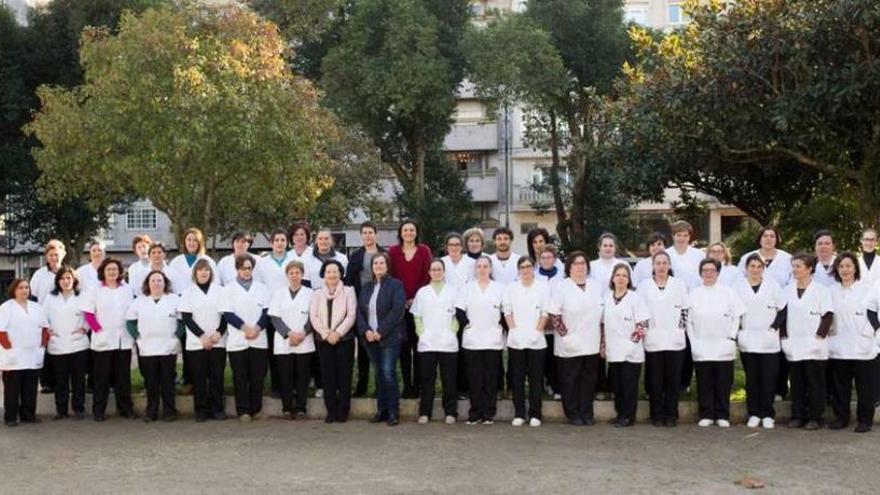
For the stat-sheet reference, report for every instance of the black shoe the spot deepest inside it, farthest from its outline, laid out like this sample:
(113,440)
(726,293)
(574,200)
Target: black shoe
(47,390)
(863,428)
(150,419)
(838,424)
(658,423)
(35,420)
(342,418)
(100,418)
(393,421)
(169,417)
(576,421)
(11,423)
(624,423)
(220,416)
(379,417)
(79,415)
(360,393)
(329,419)
(59,417)
(128,415)
(796,423)
(670,423)
(812,425)
(201,418)
(589,421)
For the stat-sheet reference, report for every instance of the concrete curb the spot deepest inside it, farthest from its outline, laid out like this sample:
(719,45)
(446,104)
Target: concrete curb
(366,408)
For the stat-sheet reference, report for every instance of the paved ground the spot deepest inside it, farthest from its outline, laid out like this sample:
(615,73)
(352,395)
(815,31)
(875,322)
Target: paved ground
(273,456)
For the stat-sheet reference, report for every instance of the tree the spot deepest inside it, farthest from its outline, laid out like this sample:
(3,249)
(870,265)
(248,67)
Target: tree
(194,109)
(394,72)
(44,52)
(760,102)
(565,56)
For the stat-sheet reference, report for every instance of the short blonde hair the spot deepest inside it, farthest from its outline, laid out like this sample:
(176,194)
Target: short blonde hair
(727,257)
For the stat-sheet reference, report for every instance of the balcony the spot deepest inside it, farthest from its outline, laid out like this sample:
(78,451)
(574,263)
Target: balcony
(472,137)
(526,199)
(484,187)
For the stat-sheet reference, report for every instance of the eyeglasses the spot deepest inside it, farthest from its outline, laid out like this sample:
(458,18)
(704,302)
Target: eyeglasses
(453,244)
(246,268)
(526,266)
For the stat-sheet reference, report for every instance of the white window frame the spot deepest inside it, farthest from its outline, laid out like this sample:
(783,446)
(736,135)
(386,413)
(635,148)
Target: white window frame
(137,219)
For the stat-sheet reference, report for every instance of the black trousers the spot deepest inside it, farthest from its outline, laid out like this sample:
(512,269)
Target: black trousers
(482,369)
(337,362)
(208,369)
(714,380)
(808,389)
(448,363)
(625,386)
(20,395)
(112,367)
(524,363)
(577,383)
(293,371)
(462,374)
(762,373)
(187,365)
(663,383)
(248,373)
(843,373)
(158,373)
(47,373)
(274,383)
(70,375)
(363,367)
(782,378)
(550,372)
(687,366)
(409,366)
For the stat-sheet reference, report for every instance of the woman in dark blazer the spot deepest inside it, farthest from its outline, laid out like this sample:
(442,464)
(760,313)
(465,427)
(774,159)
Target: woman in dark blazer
(380,325)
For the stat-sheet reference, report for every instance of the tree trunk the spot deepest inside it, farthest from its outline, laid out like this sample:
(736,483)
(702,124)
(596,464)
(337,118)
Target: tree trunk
(418,151)
(562,222)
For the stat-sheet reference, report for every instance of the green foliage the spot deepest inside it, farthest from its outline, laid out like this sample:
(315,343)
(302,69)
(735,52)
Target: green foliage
(194,109)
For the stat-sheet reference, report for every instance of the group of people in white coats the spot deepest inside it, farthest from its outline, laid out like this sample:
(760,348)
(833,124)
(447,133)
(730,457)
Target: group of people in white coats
(302,313)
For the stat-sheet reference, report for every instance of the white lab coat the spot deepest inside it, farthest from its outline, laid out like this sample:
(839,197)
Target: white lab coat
(88,277)
(313,268)
(600,272)
(207,312)
(42,282)
(181,274)
(803,317)
(527,305)
(65,318)
(295,314)
(157,324)
(109,307)
(869,275)
(457,275)
(249,306)
(853,336)
(779,269)
(437,312)
(270,272)
(761,307)
(686,267)
(665,332)
(643,271)
(581,311)
(730,275)
(824,275)
(504,271)
(713,322)
(226,269)
(25,332)
(136,280)
(619,321)
(483,308)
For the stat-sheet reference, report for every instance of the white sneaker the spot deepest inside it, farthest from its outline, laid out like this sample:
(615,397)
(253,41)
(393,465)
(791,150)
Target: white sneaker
(534,422)
(488,421)
(753,422)
(723,423)
(423,420)
(705,423)
(319,393)
(768,423)
(518,422)
(450,420)
(557,396)
(777,398)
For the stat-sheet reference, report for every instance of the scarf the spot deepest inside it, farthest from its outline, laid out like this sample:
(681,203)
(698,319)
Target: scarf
(338,307)
(548,273)
(244,283)
(191,259)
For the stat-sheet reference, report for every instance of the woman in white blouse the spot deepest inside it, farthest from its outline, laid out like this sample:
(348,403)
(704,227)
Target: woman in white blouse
(712,328)
(483,340)
(23,336)
(68,343)
(625,319)
(577,312)
(525,303)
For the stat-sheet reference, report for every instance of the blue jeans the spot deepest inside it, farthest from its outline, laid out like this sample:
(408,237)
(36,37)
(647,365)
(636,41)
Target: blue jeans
(387,393)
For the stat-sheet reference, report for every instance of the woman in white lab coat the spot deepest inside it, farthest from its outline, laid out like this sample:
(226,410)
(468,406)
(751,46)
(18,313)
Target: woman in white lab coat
(201,310)
(852,347)
(644,268)
(23,336)
(576,310)
(181,267)
(712,327)
(730,273)
(104,311)
(246,311)
(433,311)
(625,318)
(483,340)
(758,339)
(68,343)
(664,342)
(809,316)
(152,321)
(226,272)
(294,340)
(526,303)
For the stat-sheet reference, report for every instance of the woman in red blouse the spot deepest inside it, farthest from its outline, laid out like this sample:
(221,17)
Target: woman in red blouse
(409,264)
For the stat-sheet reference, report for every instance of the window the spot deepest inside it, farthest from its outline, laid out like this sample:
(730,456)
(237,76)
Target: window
(676,15)
(637,13)
(141,218)
(471,162)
